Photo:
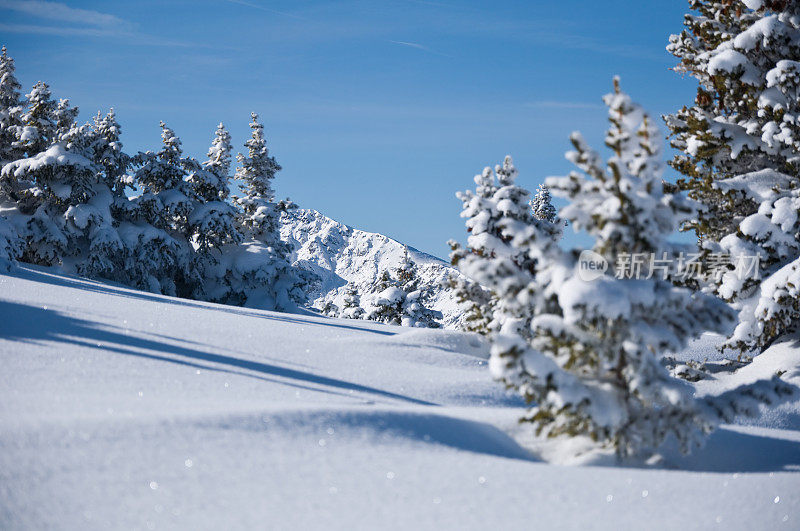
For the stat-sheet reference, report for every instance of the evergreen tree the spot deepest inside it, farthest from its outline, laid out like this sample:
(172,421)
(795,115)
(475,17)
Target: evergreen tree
(64,117)
(415,297)
(213,222)
(55,185)
(497,212)
(166,198)
(713,149)
(351,309)
(397,297)
(96,248)
(39,121)
(109,157)
(52,181)
(165,203)
(10,109)
(11,245)
(383,281)
(260,272)
(257,172)
(386,300)
(766,281)
(591,361)
(634,172)
(152,258)
(479,207)
(70,223)
(541,205)
(133,252)
(740,143)
(219,166)
(478,304)
(329,309)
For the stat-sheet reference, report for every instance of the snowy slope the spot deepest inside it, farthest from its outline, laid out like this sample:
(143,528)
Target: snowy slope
(340,254)
(127,410)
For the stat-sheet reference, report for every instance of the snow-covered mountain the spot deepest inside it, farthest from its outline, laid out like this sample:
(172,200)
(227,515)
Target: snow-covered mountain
(340,254)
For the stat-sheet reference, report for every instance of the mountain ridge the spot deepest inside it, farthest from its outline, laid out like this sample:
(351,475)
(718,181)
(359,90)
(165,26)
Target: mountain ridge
(339,254)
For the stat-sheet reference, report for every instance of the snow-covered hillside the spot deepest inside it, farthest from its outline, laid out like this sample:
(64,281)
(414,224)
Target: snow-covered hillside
(121,409)
(340,254)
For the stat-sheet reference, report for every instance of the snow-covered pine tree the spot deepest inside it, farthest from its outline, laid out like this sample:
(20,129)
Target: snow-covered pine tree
(39,121)
(257,172)
(70,222)
(112,161)
(152,256)
(11,106)
(11,245)
(125,247)
(54,186)
(330,309)
(97,250)
(34,136)
(634,172)
(740,144)
(496,212)
(766,289)
(216,186)
(351,307)
(213,223)
(10,110)
(385,300)
(112,165)
(545,213)
(159,254)
(55,176)
(591,365)
(714,149)
(477,303)
(398,297)
(414,306)
(261,267)
(65,116)
(166,197)
(501,256)
(479,207)
(542,205)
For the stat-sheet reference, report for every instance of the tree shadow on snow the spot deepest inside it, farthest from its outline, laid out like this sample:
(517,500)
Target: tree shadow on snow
(730,450)
(389,427)
(24,323)
(37,274)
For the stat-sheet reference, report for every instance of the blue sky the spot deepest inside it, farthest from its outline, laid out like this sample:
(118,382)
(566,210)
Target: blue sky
(378,111)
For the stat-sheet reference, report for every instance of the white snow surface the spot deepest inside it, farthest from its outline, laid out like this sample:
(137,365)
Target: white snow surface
(340,254)
(121,409)
(753,4)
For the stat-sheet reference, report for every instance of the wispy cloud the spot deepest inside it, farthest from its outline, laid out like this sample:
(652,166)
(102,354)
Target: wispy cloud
(130,36)
(51,30)
(82,23)
(419,46)
(555,104)
(63,13)
(411,44)
(267,9)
